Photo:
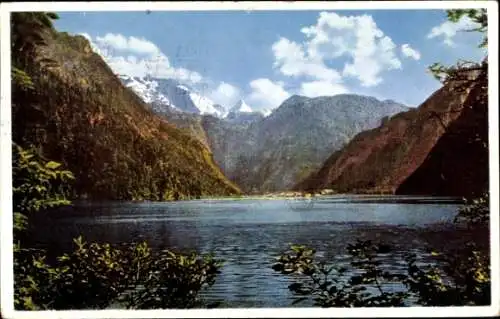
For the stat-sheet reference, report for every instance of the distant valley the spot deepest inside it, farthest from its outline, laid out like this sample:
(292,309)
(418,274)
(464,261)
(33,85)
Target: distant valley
(266,153)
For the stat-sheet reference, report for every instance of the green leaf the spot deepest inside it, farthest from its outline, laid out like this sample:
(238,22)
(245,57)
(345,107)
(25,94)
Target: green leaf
(52,165)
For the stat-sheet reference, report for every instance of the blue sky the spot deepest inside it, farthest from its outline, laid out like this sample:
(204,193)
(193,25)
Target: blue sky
(264,57)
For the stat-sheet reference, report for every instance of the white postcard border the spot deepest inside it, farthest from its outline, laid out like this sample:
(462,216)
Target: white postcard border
(6,237)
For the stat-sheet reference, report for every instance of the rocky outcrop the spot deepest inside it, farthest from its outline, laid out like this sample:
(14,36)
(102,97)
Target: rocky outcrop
(382,160)
(458,164)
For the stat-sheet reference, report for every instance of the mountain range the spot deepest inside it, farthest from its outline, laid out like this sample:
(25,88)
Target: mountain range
(267,153)
(349,143)
(145,138)
(273,153)
(171,95)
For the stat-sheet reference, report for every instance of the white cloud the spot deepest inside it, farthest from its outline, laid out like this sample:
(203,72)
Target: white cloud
(448,30)
(266,94)
(321,88)
(365,50)
(410,52)
(291,61)
(138,57)
(335,47)
(226,95)
(129,44)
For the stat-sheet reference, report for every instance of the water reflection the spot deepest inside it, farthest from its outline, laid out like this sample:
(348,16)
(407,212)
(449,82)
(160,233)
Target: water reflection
(247,234)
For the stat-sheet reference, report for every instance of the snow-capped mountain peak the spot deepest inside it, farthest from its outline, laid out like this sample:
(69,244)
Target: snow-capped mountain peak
(241,107)
(266,112)
(146,89)
(165,93)
(205,105)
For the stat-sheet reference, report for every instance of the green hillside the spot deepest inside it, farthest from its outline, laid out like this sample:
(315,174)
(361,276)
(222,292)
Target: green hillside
(76,111)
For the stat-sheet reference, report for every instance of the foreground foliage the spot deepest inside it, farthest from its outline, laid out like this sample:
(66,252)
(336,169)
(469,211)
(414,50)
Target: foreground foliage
(97,276)
(460,280)
(93,275)
(327,285)
(37,184)
(475,212)
(458,72)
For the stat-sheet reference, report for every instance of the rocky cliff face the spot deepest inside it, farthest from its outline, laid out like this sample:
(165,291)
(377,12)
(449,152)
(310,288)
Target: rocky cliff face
(457,165)
(382,159)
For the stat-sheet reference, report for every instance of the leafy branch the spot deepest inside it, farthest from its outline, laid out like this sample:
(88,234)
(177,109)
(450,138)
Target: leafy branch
(327,285)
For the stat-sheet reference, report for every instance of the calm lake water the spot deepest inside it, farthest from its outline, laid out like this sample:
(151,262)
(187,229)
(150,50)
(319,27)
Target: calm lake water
(248,234)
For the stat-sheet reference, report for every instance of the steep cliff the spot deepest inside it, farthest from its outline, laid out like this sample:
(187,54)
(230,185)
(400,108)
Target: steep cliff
(458,164)
(79,113)
(381,159)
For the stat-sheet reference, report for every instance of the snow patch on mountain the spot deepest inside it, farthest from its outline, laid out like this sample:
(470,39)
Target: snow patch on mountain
(266,112)
(241,107)
(182,87)
(168,93)
(205,105)
(147,89)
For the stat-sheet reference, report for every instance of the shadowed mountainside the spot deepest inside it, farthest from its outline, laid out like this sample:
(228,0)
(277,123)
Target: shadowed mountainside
(458,164)
(382,159)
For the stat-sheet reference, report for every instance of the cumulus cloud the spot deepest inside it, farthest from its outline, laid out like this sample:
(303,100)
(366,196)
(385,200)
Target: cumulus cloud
(448,30)
(291,60)
(266,94)
(365,50)
(138,57)
(410,52)
(334,48)
(226,95)
(128,44)
(321,88)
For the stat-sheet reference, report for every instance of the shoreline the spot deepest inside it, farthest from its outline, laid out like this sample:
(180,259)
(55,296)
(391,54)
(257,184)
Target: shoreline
(347,197)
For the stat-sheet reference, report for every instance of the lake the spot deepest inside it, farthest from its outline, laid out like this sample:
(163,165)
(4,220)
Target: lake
(249,233)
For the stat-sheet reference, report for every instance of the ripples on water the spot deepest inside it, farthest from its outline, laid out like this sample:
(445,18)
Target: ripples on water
(248,234)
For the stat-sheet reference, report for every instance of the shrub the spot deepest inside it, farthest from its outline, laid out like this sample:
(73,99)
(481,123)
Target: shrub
(325,283)
(464,278)
(475,212)
(97,276)
(93,276)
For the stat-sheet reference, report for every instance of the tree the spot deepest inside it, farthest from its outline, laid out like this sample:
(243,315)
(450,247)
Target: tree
(27,30)
(37,184)
(461,71)
(96,276)
(467,274)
